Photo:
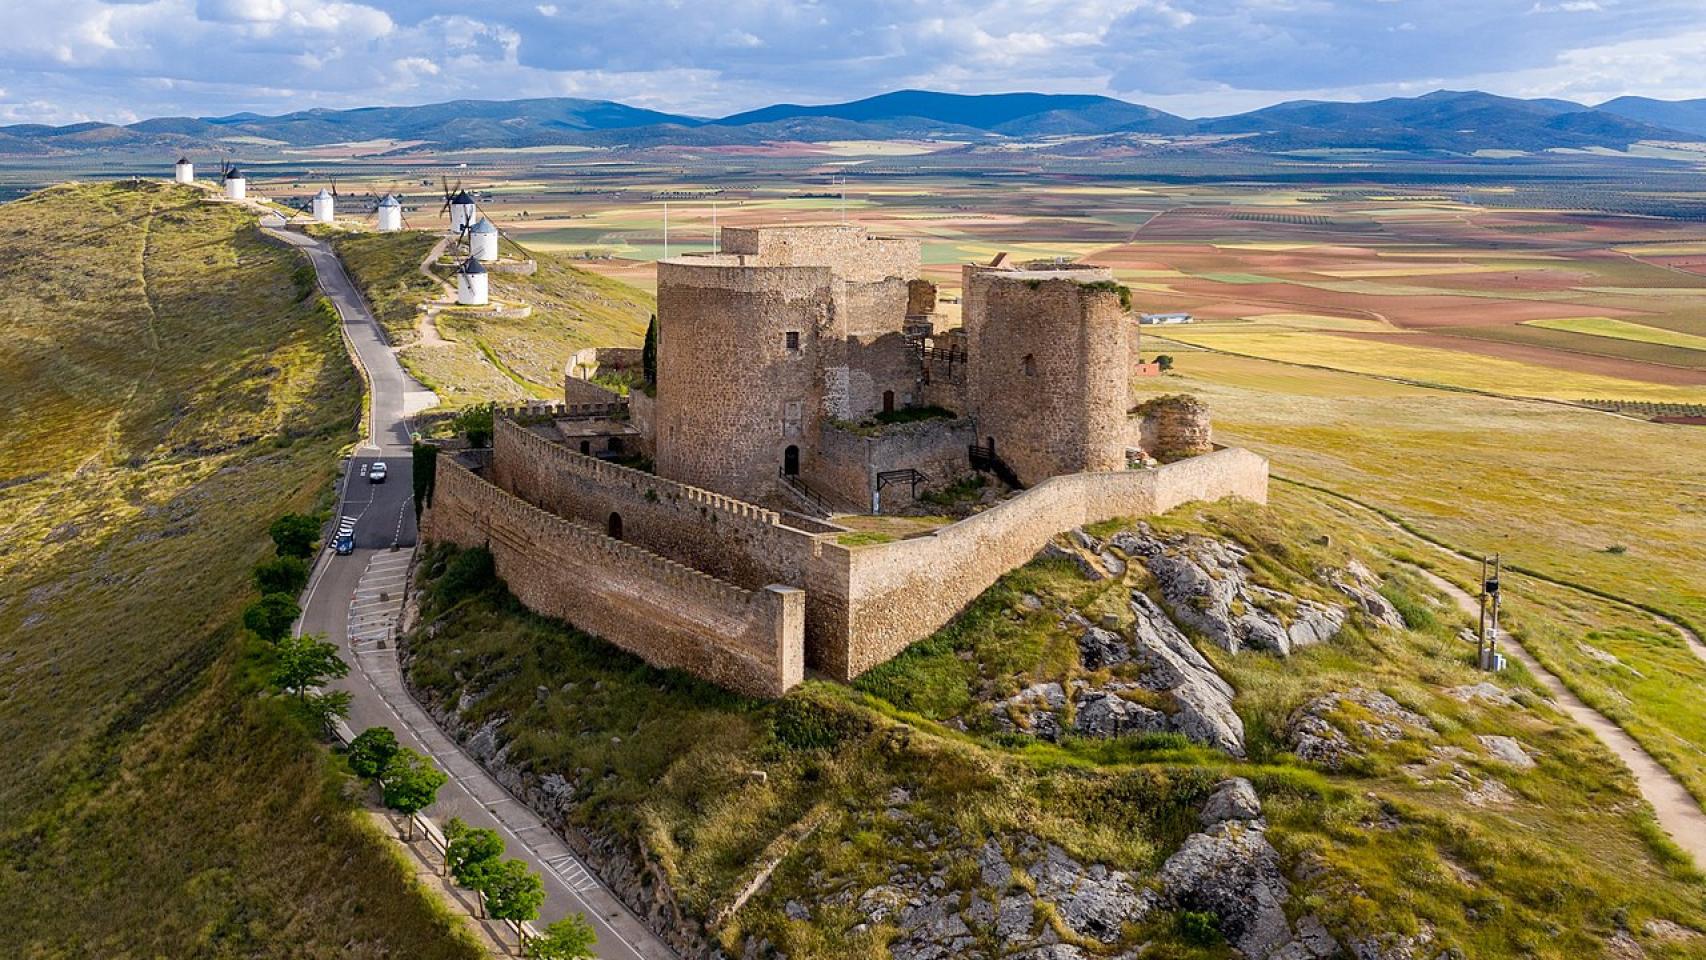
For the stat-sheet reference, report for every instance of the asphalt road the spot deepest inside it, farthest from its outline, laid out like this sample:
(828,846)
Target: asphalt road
(355,601)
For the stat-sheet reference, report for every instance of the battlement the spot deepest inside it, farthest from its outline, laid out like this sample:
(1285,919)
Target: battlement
(849,251)
(528,445)
(541,412)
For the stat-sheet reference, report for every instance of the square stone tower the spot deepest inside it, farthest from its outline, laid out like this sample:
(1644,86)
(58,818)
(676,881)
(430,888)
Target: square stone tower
(758,343)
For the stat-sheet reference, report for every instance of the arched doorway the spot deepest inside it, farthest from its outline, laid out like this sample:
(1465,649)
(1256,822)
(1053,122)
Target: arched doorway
(888,401)
(586,447)
(615,526)
(791,461)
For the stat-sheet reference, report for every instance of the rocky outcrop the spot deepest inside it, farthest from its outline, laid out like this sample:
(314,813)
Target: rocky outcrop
(1165,685)
(1092,902)
(1363,587)
(1205,585)
(1318,735)
(1507,750)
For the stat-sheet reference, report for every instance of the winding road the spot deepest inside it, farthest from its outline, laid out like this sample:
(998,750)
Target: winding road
(355,601)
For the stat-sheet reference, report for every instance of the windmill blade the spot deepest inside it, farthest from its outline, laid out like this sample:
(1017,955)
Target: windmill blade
(334,182)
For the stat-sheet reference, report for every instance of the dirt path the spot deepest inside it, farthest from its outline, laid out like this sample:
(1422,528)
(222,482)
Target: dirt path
(1675,808)
(426,322)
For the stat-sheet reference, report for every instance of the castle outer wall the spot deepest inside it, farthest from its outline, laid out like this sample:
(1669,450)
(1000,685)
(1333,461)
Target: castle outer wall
(671,615)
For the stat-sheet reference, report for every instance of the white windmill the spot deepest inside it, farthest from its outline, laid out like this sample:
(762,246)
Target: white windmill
(483,241)
(236,186)
(460,205)
(183,171)
(471,284)
(325,204)
(390,214)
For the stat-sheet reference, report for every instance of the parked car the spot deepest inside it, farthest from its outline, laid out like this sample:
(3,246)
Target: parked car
(377,473)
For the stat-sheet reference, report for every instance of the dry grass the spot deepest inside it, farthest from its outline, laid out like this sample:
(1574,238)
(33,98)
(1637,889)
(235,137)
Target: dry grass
(171,386)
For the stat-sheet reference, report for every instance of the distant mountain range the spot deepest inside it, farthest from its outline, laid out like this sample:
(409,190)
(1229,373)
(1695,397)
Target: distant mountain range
(1445,121)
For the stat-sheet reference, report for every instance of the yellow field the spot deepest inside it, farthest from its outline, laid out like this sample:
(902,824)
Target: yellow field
(1427,365)
(1417,270)
(1622,330)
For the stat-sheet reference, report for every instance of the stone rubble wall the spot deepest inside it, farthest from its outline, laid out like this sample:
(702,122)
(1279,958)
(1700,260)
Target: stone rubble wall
(1174,427)
(897,593)
(577,391)
(671,615)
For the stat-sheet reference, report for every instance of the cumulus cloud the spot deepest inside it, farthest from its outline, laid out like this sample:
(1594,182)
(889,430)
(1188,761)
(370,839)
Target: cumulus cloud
(94,58)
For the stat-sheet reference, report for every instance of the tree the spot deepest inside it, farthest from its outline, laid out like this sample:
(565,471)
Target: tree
(270,617)
(294,534)
(471,852)
(325,709)
(411,784)
(570,938)
(1165,362)
(286,575)
(512,891)
(306,661)
(475,424)
(371,750)
(649,353)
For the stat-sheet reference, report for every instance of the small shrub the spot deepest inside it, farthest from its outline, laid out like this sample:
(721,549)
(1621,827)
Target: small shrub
(294,534)
(270,617)
(1198,928)
(286,575)
(371,750)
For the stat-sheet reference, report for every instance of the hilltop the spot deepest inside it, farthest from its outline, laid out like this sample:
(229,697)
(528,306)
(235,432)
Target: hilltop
(172,383)
(1005,787)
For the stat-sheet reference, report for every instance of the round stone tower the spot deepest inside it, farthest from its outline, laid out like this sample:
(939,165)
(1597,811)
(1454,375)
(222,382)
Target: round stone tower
(737,350)
(1048,380)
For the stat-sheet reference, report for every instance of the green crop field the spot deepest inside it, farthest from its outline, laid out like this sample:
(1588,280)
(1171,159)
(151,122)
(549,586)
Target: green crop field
(171,383)
(1620,330)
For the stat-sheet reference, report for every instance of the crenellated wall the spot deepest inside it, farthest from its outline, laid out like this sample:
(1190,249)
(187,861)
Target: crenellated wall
(670,614)
(728,538)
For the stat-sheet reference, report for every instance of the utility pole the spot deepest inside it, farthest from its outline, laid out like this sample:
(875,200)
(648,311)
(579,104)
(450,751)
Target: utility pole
(1487,641)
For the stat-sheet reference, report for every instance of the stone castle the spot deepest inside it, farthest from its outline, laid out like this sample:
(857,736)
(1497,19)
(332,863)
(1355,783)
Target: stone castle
(802,384)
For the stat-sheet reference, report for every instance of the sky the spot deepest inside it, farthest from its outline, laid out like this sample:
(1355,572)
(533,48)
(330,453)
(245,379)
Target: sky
(77,60)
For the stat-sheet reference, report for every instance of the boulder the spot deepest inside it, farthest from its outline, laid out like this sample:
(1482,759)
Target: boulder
(1233,799)
(1104,713)
(1507,750)
(1202,699)
(1232,871)
(1363,587)
(1484,691)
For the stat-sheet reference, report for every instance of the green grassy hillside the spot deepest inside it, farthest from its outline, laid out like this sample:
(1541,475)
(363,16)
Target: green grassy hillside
(904,780)
(469,356)
(170,383)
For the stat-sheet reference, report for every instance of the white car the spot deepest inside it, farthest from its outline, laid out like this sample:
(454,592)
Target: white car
(376,474)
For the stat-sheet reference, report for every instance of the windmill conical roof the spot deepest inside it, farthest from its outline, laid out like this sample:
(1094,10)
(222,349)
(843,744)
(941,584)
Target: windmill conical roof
(485,226)
(471,265)
(183,160)
(324,194)
(233,174)
(389,201)
(461,197)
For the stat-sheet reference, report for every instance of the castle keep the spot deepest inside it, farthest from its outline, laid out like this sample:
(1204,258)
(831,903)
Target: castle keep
(801,381)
